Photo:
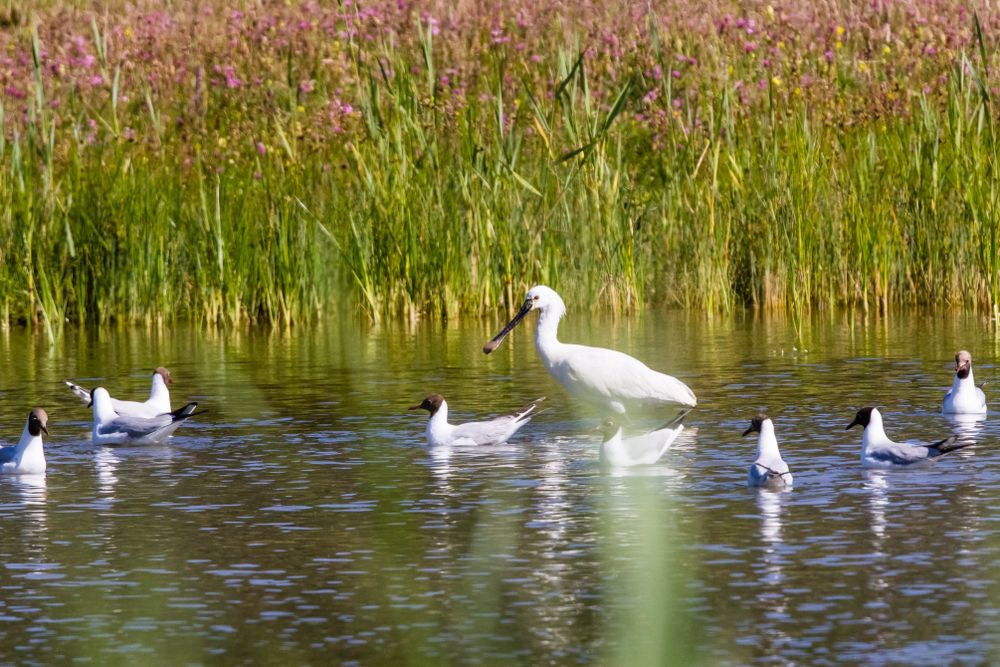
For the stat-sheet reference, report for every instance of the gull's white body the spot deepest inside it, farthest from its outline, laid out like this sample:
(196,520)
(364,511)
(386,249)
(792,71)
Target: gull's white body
(646,449)
(964,397)
(158,402)
(492,432)
(878,451)
(769,469)
(602,377)
(25,458)
(110,428)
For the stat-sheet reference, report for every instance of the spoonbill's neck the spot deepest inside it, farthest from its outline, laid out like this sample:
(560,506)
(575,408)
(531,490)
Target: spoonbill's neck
(767,443)
(545,335)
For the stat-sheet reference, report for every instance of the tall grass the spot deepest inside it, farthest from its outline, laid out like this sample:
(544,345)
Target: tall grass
(408,172)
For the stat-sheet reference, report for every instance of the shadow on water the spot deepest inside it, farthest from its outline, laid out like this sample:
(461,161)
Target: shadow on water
(300,514)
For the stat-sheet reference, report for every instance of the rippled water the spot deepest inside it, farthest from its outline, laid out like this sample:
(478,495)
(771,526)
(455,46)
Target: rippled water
(299,518)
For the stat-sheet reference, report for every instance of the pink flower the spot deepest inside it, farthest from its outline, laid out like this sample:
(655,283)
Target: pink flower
(261,148)
(306,86)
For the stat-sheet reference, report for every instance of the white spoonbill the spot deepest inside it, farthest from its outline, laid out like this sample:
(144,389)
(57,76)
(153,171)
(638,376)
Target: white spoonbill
(110,428)
(606,378)
(158,402)
(493,432)
(27,457)
(964,397)
(646,449)
(878,451)
(769,470)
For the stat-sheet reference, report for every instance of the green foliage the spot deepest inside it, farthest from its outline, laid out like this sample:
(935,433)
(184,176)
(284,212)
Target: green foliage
(152,209)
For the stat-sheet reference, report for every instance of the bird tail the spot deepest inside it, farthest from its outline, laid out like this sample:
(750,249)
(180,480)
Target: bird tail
(523,413)
(951,444)
(82,393)
(185,412)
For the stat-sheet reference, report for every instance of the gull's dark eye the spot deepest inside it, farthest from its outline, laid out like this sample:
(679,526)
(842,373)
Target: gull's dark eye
(535,298)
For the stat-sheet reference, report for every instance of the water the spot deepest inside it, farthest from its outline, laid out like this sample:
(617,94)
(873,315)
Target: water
(301,519)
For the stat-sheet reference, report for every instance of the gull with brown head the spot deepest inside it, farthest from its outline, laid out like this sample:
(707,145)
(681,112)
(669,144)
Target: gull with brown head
(27,456)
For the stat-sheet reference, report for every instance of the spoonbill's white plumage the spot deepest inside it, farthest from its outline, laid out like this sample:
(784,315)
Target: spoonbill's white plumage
(769,469)
(492,432)
(158,402)
(111,428)
(964,397)
(646,449)
(878,451)
(606,378)
(27,456)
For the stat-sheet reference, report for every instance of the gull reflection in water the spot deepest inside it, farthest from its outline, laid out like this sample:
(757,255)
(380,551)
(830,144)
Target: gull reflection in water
(106,461)
(34,508)
(877,484)
(771,505)
(771,577)
(966,427)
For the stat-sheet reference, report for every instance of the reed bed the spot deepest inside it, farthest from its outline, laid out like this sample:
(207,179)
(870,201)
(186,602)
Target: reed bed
(273,162)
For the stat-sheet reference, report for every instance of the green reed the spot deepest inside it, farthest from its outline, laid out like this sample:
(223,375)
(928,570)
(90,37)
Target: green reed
(425,210)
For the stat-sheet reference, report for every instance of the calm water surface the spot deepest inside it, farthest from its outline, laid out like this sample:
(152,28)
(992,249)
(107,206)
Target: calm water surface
(300,518)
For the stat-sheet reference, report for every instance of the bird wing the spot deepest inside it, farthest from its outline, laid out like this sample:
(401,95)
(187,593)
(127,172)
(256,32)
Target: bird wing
(615,375)
(134,408)
(900,453)
(491,432)
(7,454)
(134,428)
(496,431)
(649,447)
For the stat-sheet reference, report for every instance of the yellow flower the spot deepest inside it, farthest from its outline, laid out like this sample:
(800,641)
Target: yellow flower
(770,12)
(840,31)
(301,109)
(839,45)
(776,80)
(862,67)
(886,50)
(222,142)
(797,91)
(781,45)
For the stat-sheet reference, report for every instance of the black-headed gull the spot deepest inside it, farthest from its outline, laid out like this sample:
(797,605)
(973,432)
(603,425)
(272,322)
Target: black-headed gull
(769,470)
(158,402)
(878,451)
(964,397)
(27,456)
(110,428)
(493,432)
(603,377)
(646,449)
